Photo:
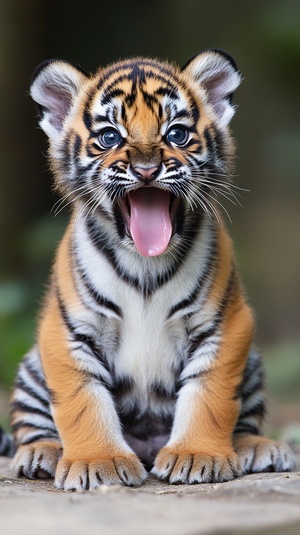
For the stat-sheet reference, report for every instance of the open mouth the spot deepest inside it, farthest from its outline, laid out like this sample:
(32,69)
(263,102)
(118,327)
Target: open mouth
(149,216)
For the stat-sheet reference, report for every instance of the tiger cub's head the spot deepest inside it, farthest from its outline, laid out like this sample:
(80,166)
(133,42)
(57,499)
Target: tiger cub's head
(141,143)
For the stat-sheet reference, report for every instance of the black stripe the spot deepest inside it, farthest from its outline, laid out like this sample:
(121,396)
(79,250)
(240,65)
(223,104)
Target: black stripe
(64,314)
(98,378)
(219,142)
(87,119)
(252,382)
(98,298)
(188,230)
(194,108)
(202,337)
(193,160)
(182,382)
(86,340)
(81,337)
(247,390)
(196,145)
(24,407)
(132,65)
(149,100)
(167,91)
(101,119)
(37,437)
(253,367)
(77,144)
(19,425)
(209,141)
(124,114)
(244,427)
(20,383)
(199,339)
(181,114)
(39,379)
(185,303)
(160,76)
(100,240)
(226,297)
(111,94)
(136,74)
(120,222)
(112,85)
(144,62)
(258,409)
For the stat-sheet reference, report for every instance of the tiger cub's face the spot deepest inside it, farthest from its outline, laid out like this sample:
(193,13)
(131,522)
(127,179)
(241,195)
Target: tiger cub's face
(142,142)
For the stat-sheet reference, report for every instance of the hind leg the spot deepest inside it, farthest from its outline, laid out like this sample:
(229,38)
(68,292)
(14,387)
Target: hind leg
(260,454)
(35,433)
(257,453)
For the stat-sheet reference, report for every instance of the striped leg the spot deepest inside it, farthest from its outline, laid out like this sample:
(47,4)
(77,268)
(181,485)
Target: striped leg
(257,453)
(34,430)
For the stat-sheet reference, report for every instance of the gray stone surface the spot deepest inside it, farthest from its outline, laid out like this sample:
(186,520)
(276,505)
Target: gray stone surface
(254,504)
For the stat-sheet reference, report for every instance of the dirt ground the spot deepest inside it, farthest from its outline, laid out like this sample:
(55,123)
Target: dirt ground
(254,504)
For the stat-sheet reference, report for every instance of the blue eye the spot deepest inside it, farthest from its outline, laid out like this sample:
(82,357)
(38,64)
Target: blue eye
(109,138)
(178,135)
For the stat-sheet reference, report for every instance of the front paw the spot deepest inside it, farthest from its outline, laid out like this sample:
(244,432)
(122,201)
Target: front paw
(177,466)
(89,475)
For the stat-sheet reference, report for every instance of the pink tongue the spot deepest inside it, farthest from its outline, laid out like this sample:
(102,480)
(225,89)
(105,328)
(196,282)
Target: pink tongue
(150,223)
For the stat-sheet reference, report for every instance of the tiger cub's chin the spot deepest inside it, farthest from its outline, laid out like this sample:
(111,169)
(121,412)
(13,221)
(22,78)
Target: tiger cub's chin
(144,352)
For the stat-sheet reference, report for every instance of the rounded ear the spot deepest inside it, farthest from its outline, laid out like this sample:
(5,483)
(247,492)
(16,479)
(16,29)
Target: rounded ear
(216,72)
(54,88)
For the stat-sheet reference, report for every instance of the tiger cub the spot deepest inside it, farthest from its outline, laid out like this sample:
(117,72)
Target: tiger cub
(144,353)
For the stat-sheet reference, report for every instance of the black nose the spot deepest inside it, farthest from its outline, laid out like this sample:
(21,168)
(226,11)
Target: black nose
(144,173)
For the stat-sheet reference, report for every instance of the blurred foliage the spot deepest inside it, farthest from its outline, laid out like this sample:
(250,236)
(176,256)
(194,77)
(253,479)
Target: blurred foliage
(264,38)
(20,298)
(282,364)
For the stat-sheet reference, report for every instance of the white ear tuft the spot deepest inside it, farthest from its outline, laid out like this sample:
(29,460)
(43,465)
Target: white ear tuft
(217,74)
(54,88)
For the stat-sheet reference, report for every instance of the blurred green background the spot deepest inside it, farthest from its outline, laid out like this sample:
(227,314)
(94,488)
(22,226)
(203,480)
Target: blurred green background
(264,38)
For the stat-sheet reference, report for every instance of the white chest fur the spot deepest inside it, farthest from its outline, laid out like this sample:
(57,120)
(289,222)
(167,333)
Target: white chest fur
(152,345)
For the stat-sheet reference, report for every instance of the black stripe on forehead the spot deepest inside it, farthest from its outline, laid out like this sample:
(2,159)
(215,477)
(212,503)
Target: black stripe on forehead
(138,76)
(131,65)
(138,72)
